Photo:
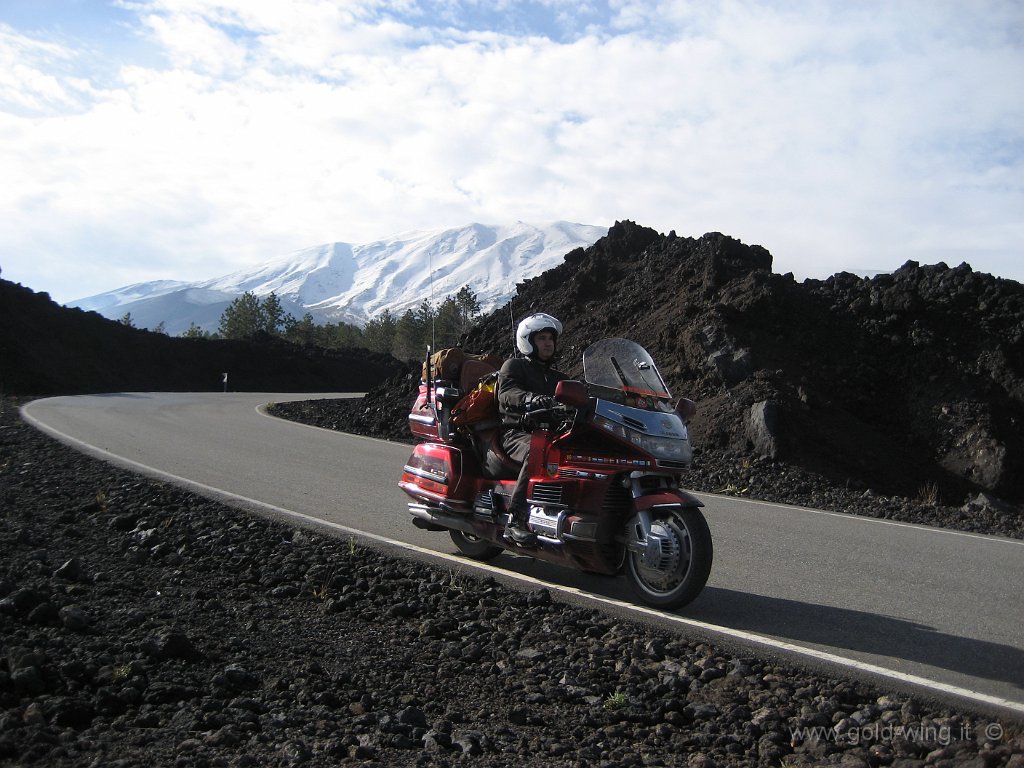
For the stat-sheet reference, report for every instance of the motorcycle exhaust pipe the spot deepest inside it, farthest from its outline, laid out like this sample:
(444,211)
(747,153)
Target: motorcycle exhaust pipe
(423,525)
(434,519)
(433,516)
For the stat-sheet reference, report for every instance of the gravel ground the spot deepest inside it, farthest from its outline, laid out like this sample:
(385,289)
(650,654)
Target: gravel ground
(141,624)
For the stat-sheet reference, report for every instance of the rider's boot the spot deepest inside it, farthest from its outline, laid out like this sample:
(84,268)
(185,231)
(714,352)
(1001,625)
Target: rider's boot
(517,530)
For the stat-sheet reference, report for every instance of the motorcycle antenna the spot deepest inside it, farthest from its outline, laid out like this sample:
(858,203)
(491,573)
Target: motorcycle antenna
(512,322)
(430,375)
(433,309)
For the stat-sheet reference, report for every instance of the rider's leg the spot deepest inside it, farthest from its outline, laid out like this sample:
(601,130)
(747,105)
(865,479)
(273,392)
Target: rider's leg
(517,447)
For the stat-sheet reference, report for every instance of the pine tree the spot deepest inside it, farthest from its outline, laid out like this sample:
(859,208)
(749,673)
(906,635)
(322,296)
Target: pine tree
(302,331)
(242,318)
(468,310)
(408,340)
(343,336)
(272,313)
(446,324)
(455,317)
(195,332)
(379,333)
(424,328)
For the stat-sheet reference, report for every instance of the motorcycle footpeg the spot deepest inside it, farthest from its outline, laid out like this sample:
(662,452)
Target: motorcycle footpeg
(529,539)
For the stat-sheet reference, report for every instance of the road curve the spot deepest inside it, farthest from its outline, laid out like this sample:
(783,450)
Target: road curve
(920,607)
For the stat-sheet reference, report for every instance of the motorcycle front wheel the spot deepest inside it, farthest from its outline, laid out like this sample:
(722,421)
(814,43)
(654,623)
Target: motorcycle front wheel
(684,565)
(473,546)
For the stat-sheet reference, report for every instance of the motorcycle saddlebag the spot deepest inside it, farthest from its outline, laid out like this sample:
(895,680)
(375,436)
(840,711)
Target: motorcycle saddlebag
(480,406)
(433,470)
(444,364)
(423,417)
(450,365)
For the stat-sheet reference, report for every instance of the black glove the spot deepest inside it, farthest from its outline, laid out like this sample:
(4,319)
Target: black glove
(540,403)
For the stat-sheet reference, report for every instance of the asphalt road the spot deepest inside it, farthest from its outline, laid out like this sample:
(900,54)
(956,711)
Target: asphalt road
(935,611)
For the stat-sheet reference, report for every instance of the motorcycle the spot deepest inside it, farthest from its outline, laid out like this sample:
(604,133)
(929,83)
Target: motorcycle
(605,468)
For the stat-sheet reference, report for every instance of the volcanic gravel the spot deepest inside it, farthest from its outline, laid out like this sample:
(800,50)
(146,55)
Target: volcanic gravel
(141,624)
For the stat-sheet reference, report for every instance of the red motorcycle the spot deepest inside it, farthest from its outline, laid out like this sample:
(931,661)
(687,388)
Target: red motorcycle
(605,469)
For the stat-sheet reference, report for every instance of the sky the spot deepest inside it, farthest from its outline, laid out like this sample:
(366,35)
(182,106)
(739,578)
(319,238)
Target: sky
(186,139)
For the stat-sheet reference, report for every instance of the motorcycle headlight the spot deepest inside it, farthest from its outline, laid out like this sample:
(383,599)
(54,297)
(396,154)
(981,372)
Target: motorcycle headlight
(667,448)
(612,427)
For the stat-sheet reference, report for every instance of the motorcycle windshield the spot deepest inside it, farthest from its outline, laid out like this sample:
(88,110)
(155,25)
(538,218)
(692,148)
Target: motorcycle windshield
(623,365)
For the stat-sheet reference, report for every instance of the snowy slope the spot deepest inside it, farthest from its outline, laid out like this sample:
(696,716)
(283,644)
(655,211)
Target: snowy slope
(128,294)
(353,283)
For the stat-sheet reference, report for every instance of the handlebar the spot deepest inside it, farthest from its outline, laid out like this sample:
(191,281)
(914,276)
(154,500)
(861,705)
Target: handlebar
(555,410)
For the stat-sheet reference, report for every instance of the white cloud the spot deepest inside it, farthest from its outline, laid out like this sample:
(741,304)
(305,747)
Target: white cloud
(193,43)
(32,78)
(839,136)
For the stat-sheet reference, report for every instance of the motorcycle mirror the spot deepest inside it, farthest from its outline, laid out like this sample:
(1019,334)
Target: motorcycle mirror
(685,409)
(572,393)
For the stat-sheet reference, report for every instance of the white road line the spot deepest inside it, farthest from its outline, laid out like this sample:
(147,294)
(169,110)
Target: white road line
(738,634)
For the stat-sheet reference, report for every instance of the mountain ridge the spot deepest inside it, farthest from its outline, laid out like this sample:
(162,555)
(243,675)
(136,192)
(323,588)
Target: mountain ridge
(354,282)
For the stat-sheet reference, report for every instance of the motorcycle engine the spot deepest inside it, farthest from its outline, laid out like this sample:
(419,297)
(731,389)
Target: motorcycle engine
(544,523)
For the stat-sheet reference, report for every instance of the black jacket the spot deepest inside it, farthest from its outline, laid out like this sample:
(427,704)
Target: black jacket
(519,378)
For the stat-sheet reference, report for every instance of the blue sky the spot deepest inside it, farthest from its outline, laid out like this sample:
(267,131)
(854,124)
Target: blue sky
(184,139)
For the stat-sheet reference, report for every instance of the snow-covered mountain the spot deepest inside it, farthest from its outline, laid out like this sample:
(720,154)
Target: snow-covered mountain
(353,283)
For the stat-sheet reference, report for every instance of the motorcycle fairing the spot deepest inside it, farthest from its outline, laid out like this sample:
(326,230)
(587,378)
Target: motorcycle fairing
(658,434)
(677,497)
(648,422)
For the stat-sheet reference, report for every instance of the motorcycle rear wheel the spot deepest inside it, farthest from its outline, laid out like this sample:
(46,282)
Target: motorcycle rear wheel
(686,566)
(473,546)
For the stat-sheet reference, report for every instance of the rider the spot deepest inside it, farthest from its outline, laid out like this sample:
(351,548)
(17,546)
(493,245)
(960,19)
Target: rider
(526,384)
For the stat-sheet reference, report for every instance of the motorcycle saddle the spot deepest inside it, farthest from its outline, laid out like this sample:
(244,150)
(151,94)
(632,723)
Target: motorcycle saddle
(494,462)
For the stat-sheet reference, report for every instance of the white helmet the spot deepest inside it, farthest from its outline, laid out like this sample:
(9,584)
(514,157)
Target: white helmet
(534,324)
